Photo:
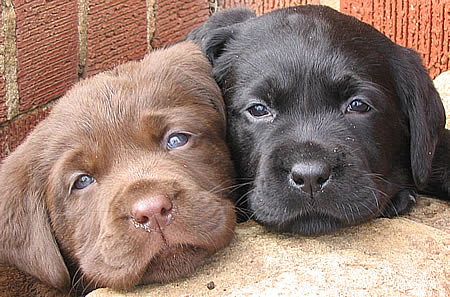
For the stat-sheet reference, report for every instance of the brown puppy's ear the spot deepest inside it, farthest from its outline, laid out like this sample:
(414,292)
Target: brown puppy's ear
(26,238)
(425,111)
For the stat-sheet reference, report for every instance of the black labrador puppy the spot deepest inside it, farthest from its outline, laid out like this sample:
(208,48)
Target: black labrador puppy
(330,123)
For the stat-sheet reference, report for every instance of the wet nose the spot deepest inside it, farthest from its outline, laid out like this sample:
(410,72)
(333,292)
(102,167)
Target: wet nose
(152,213)
(310,177)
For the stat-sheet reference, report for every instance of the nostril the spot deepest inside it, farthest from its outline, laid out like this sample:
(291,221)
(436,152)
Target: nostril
(297,178)
(141,219)
(165,211)
(321,180)
(155,212)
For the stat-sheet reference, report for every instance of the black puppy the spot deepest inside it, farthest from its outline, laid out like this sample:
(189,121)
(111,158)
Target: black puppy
(331,122)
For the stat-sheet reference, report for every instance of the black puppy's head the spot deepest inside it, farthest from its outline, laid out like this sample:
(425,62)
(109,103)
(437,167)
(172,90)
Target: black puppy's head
(332,122)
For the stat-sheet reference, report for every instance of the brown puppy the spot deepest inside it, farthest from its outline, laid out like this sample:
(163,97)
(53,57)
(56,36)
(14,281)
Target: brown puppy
(125,183)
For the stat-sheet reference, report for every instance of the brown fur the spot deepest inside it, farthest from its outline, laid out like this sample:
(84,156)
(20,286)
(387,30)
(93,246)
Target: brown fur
(114,127)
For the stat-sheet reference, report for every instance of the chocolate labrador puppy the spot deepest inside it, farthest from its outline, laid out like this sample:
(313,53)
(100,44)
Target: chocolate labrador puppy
(125,183)
(330,123)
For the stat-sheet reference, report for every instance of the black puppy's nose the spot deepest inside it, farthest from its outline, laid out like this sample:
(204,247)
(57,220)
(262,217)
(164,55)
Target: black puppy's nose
(153,213)
(310,177)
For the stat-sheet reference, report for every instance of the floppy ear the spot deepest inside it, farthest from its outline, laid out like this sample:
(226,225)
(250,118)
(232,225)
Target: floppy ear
(26,238)
(425,111)
(214,33)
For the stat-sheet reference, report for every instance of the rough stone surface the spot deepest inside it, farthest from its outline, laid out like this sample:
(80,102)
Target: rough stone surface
(406,256)
(442,84)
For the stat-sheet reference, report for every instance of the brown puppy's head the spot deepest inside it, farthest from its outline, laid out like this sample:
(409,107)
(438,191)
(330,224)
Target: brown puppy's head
(125,182)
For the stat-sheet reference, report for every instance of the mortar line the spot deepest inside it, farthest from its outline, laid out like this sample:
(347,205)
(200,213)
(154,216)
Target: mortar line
(151,22)
(83,11)
(12,100)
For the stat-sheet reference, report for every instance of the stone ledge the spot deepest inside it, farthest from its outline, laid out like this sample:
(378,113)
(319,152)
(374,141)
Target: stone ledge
(442,84)
(406,256)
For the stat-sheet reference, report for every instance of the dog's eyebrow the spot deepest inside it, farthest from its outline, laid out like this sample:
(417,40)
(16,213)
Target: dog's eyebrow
(353,83)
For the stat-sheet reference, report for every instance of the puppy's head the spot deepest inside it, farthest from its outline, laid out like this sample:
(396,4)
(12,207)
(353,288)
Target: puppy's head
(126,182)
(333,122)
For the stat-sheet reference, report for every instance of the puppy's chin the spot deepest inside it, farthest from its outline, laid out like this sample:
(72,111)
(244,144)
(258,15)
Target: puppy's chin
(173,263)
(310,225)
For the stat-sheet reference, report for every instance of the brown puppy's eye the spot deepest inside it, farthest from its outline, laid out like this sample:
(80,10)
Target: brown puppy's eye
(259,111)
(177,140)
(358,105)
(83,182)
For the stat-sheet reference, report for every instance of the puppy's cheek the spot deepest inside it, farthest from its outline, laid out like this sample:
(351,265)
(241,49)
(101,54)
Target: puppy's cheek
(244,145)
(209,227)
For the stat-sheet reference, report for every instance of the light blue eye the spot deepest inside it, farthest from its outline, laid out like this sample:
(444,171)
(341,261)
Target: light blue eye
(83,182)
(177,140)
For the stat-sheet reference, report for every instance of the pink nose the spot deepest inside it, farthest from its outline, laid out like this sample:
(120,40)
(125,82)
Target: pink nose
(153,213)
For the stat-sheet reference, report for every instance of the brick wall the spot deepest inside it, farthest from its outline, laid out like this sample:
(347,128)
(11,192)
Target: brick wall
(47,46)
(263,6)
(419,24)
(423,25)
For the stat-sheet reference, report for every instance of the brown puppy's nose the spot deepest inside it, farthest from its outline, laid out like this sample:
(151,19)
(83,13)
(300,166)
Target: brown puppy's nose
(310,177)
(153,212)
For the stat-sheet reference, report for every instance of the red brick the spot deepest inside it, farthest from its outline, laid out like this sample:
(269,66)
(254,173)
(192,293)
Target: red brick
(47,50)
(264,6)
(256,5)
(276,4)
(20,128)
(419,24)
(117,32)
(176,18)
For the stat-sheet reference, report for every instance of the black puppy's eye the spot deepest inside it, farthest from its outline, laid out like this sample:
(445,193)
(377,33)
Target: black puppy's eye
(83,182)
(358,105)
(259,111)
(177,140)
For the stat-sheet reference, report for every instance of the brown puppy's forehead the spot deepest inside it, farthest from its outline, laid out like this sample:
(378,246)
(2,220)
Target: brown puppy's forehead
(120,99)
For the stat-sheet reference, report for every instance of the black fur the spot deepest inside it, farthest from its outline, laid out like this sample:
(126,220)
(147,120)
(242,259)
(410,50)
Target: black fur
(314,165)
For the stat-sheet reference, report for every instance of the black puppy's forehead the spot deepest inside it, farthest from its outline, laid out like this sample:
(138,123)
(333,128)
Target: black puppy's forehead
(301,54)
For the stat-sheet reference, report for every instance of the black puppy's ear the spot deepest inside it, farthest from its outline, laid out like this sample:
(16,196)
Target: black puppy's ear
(423,106)
(214,33)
